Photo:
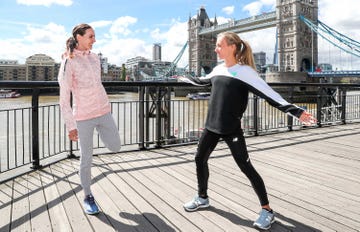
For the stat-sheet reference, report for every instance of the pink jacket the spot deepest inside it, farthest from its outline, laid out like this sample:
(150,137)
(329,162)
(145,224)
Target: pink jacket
(81,76)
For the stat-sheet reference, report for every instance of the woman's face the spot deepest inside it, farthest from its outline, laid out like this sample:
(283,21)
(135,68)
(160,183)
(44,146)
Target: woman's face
(86,41)
(223,50)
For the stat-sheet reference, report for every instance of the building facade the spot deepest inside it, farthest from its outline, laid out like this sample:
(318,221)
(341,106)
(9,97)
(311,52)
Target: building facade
(40,67)
(260,60)
(202,57)
(297,45)
(11,70)
(157,52)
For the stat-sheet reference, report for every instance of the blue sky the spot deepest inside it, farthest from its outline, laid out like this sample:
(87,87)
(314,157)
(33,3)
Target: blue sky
(125,30)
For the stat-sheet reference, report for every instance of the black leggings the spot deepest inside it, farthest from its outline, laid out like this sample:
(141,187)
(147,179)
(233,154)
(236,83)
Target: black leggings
(237,145)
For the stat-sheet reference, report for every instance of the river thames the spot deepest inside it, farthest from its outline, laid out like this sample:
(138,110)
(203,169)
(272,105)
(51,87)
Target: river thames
(25,101)
(16,124)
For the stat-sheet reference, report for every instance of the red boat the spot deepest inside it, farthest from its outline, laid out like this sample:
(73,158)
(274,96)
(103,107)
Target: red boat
(6,93)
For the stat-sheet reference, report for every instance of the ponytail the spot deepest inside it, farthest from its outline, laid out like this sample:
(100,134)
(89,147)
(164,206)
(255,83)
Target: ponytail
(243,53)
(70,46)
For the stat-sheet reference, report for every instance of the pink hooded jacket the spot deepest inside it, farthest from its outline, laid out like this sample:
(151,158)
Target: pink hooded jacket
(81,76)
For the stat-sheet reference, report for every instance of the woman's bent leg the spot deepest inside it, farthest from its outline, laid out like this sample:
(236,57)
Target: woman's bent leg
(109,132)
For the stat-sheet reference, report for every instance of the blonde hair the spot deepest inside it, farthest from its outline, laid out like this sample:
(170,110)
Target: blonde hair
(243,52)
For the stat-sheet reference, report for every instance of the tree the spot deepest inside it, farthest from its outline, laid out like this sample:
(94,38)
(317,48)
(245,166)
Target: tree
(123,73)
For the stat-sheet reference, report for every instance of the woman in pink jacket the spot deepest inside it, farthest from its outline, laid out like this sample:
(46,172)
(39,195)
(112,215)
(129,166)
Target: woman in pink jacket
(80,75)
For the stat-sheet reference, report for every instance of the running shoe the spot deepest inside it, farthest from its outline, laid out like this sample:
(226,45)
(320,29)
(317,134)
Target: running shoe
(90,205)
(266,218)
(196,203)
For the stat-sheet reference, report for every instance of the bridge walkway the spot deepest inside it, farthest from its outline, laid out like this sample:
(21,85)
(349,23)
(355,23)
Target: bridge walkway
(312,177)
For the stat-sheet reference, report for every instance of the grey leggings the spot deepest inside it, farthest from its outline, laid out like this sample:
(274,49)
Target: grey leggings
(109,134)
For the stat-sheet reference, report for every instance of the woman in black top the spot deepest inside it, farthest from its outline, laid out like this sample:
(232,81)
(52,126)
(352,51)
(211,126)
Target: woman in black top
(231,82)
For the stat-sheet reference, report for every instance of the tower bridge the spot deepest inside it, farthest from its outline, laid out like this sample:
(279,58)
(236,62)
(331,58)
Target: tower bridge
(258,22)
(297,48)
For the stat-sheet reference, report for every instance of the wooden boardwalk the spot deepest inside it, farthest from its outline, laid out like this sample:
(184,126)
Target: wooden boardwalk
(312,177)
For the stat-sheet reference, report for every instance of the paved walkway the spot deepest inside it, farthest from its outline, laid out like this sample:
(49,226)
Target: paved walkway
(312,177)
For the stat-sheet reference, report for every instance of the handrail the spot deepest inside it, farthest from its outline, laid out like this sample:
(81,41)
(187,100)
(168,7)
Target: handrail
(54,84)
(154,125)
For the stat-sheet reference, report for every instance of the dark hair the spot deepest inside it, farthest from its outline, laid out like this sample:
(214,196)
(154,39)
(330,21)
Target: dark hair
(71,42)
(243,51)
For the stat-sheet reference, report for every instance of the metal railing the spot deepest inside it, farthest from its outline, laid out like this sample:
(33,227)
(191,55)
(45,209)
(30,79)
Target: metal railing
(35,135)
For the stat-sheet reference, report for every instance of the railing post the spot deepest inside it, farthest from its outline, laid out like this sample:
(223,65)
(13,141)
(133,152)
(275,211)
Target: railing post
(35,128)
(158,118)
(290,119)
(318,106)
(256,115)
(147,116)
(167,109)
(141,118)
(343,105)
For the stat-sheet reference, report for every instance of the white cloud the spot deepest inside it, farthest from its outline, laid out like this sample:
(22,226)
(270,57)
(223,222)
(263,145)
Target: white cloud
(229,10)
(49,39)
(253,8)
(99,24)
(47,34)
(121,26)
(340,16)
(45,2)
(256,7)
(119,50)
(268,2)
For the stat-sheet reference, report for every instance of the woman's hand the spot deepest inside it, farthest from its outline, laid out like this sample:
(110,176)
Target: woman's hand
(307,119)
(73,135)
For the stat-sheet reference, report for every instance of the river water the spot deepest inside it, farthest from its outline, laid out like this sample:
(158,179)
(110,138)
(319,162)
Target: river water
(25,101)
(16,123)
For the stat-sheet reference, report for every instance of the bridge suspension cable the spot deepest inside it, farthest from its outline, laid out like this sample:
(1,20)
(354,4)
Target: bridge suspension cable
(334,37)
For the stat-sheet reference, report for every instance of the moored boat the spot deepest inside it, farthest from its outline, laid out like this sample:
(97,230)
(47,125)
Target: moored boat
(7,93)
(198,96)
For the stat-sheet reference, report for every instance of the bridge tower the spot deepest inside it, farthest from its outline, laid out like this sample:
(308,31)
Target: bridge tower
(297,44)
(201,47)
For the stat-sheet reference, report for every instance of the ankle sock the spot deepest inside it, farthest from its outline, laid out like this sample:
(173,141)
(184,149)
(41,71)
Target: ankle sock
(270,211)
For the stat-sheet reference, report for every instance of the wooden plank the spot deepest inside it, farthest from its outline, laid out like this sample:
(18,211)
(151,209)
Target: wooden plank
(311,176)
(58,216)
(290,185)
(20,207)
(167,192)
(97,222)
(6,197)
(112,200)
(40,218)
(72,206)
(232,169)
(178,191)
(141,198)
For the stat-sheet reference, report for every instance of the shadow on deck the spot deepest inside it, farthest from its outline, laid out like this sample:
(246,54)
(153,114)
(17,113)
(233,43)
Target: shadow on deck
(312,178)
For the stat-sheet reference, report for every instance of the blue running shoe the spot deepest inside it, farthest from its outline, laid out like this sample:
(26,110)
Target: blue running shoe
(90,206)
(266,218)
(196,203)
